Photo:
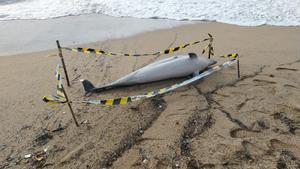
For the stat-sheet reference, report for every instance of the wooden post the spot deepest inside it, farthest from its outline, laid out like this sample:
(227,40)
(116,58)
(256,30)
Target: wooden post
(63,62)
(210,45)
(70,107)
(238,66)
(209,51)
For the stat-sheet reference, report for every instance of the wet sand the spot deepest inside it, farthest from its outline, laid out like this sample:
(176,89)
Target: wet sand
(23,36)
(219,122)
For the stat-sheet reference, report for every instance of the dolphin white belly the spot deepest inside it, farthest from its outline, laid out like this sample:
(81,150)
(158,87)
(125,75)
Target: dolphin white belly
(173,67)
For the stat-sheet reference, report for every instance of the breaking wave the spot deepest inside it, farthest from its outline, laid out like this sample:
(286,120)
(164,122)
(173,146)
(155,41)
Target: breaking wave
(240,12)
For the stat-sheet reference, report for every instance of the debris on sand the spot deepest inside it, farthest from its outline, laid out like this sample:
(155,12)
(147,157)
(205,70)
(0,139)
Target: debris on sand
(288,160)
(37,159)
(159,104)
(58,128)
(43,137)
(291,124)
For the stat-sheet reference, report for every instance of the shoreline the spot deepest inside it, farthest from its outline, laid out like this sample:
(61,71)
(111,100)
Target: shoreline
(40,35)
(27,38)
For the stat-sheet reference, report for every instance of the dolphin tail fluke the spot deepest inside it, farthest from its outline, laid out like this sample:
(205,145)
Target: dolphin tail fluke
(88,86)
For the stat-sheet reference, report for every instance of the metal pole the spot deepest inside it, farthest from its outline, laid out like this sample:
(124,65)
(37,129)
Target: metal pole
(63,62)
(70,107)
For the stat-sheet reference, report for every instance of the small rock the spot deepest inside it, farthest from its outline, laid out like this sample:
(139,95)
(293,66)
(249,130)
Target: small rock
(27,156)
(145,161)
(46,149)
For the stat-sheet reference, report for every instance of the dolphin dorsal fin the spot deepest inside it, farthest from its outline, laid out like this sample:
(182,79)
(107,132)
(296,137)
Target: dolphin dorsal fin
(192,55)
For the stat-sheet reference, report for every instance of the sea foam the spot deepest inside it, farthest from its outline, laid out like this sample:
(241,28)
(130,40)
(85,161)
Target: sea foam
(240,12)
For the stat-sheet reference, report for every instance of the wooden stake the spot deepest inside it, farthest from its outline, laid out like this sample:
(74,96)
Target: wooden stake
(63,62)
(238,66)
(209,51)
(70,107)
(210,45)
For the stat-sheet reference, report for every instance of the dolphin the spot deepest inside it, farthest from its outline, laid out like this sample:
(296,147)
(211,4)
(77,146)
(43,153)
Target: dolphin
(173,67)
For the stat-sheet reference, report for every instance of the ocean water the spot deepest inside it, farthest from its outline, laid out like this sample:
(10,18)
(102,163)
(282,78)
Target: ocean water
(240,12)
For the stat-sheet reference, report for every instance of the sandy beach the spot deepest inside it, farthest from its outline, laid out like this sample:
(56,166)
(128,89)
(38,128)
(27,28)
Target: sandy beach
(219,122)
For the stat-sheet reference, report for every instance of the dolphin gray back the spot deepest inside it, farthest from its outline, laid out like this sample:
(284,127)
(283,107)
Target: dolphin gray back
(172,67)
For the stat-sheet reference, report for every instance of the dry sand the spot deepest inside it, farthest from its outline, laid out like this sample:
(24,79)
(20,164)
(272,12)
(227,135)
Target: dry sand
(218,122)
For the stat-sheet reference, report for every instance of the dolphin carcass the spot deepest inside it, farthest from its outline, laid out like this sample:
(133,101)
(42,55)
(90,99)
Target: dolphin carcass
(173,67)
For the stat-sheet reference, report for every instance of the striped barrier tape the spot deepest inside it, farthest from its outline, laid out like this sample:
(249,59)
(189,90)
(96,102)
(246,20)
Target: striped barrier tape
(232,56)
(127,99)
(166,51)
(60,96)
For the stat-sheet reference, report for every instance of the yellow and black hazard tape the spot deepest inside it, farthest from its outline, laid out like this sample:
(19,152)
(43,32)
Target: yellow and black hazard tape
(98,51)
(127,99)
(60,96)
(54,99)
(110,102)
(166,51)
(59,87)
(232,56)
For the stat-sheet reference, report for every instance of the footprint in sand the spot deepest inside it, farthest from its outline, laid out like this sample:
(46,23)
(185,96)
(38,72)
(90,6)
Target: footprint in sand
(253,149)
(243,133)
(276,144)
